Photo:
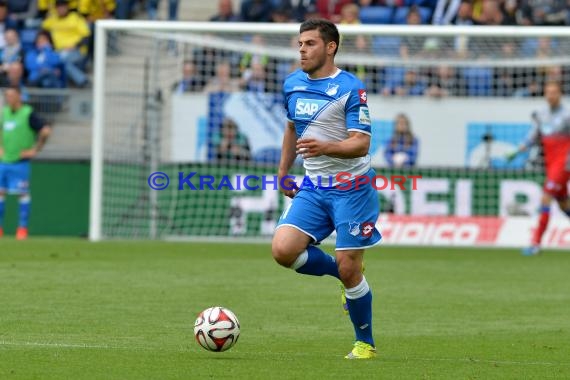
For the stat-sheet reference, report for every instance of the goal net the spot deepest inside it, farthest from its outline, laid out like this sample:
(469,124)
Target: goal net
(189,117)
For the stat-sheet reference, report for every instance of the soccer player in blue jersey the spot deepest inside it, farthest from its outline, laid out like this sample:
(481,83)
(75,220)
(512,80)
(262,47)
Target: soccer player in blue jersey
(329,126)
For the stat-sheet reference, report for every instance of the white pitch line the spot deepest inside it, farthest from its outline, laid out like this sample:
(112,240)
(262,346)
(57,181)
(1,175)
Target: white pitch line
(405,359)
(473,360)
(63,345)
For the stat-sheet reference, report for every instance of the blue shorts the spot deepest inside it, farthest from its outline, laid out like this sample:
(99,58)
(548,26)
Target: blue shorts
(15,177)
(352,213)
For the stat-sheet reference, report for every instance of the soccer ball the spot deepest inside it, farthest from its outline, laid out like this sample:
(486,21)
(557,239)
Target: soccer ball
(216,329)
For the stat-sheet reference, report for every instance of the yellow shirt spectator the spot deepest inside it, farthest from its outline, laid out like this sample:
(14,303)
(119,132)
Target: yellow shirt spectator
(96,9)
(49,5)
(68,31)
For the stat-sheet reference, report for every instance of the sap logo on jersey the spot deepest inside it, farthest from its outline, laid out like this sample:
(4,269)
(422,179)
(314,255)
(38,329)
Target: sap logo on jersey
(307,108)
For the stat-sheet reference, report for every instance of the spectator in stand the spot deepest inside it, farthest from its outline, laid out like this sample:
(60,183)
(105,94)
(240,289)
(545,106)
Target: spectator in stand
(12,50)
(15,78)
(281,15)
(331,9)
(414,84)
(124,9)
(490,14)
(93,10)
(412,45)
(152,9)
(297,8)
(445,11)
(256,10)
(4,22)
(443,83)
(269,64)
(255,78)
(368,3)
(190,81)
(530,90)
(70,34)
(504,82)
(350,14)
(402,148)
(544,12)
(20,11)
(312,12)
(510,15)
(231,144)
(43,64)
(207,58)
(464,14)
(223,81)
(47,8)
(225,12)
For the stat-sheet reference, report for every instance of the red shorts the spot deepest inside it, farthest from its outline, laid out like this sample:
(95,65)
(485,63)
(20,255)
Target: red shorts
(556,183)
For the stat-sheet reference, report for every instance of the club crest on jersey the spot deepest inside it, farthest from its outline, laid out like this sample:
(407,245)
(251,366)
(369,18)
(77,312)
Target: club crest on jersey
(353,228)
(9,125)
(332,89)
(307,108)
(362,96)
(364,116)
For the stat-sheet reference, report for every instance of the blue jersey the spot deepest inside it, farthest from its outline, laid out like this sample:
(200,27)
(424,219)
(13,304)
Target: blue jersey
(327,109)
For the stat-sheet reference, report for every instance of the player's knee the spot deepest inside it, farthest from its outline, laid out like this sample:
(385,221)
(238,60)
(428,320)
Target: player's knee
(350,270)
(284,254)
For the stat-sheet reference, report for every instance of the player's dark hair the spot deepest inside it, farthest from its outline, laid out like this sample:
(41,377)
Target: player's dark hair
(327,30)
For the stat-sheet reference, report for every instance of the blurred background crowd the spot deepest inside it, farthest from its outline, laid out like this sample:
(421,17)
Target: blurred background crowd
(49,43)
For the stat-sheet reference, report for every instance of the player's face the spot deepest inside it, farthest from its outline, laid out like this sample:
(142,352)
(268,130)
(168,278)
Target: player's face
(313,51)
(12,97)
(552,94)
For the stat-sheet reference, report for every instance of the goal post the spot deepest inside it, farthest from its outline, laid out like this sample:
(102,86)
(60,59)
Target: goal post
(214,139)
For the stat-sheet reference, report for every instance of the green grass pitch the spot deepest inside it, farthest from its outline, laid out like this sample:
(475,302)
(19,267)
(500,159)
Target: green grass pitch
(70,309)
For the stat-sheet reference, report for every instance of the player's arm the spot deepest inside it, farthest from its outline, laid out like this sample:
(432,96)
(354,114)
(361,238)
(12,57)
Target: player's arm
(356,145)
(533,135)
(358,125)
(43,130)
(532,138)
(288,155)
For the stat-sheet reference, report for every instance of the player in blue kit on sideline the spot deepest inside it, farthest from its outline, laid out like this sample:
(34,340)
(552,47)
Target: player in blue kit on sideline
(329,126)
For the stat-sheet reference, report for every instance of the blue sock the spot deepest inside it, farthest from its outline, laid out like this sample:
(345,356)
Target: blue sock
(359,301)
(315,262)
(25,203)
(2,210)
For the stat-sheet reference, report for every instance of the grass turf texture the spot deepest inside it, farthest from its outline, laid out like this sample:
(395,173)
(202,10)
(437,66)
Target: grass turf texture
(70,309)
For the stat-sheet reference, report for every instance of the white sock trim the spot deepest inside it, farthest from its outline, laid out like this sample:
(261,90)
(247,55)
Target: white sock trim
(358,291)
(2,198)
(25,199)
(301,260)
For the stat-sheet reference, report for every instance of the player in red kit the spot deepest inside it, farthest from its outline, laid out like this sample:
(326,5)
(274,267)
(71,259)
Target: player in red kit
(551,127)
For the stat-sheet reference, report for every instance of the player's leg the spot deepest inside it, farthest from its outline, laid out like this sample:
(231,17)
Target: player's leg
(3,186)
(358,298)
(18,183)
(552,189)
(355,214)
(2,211)
(300,225)
(562,198)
